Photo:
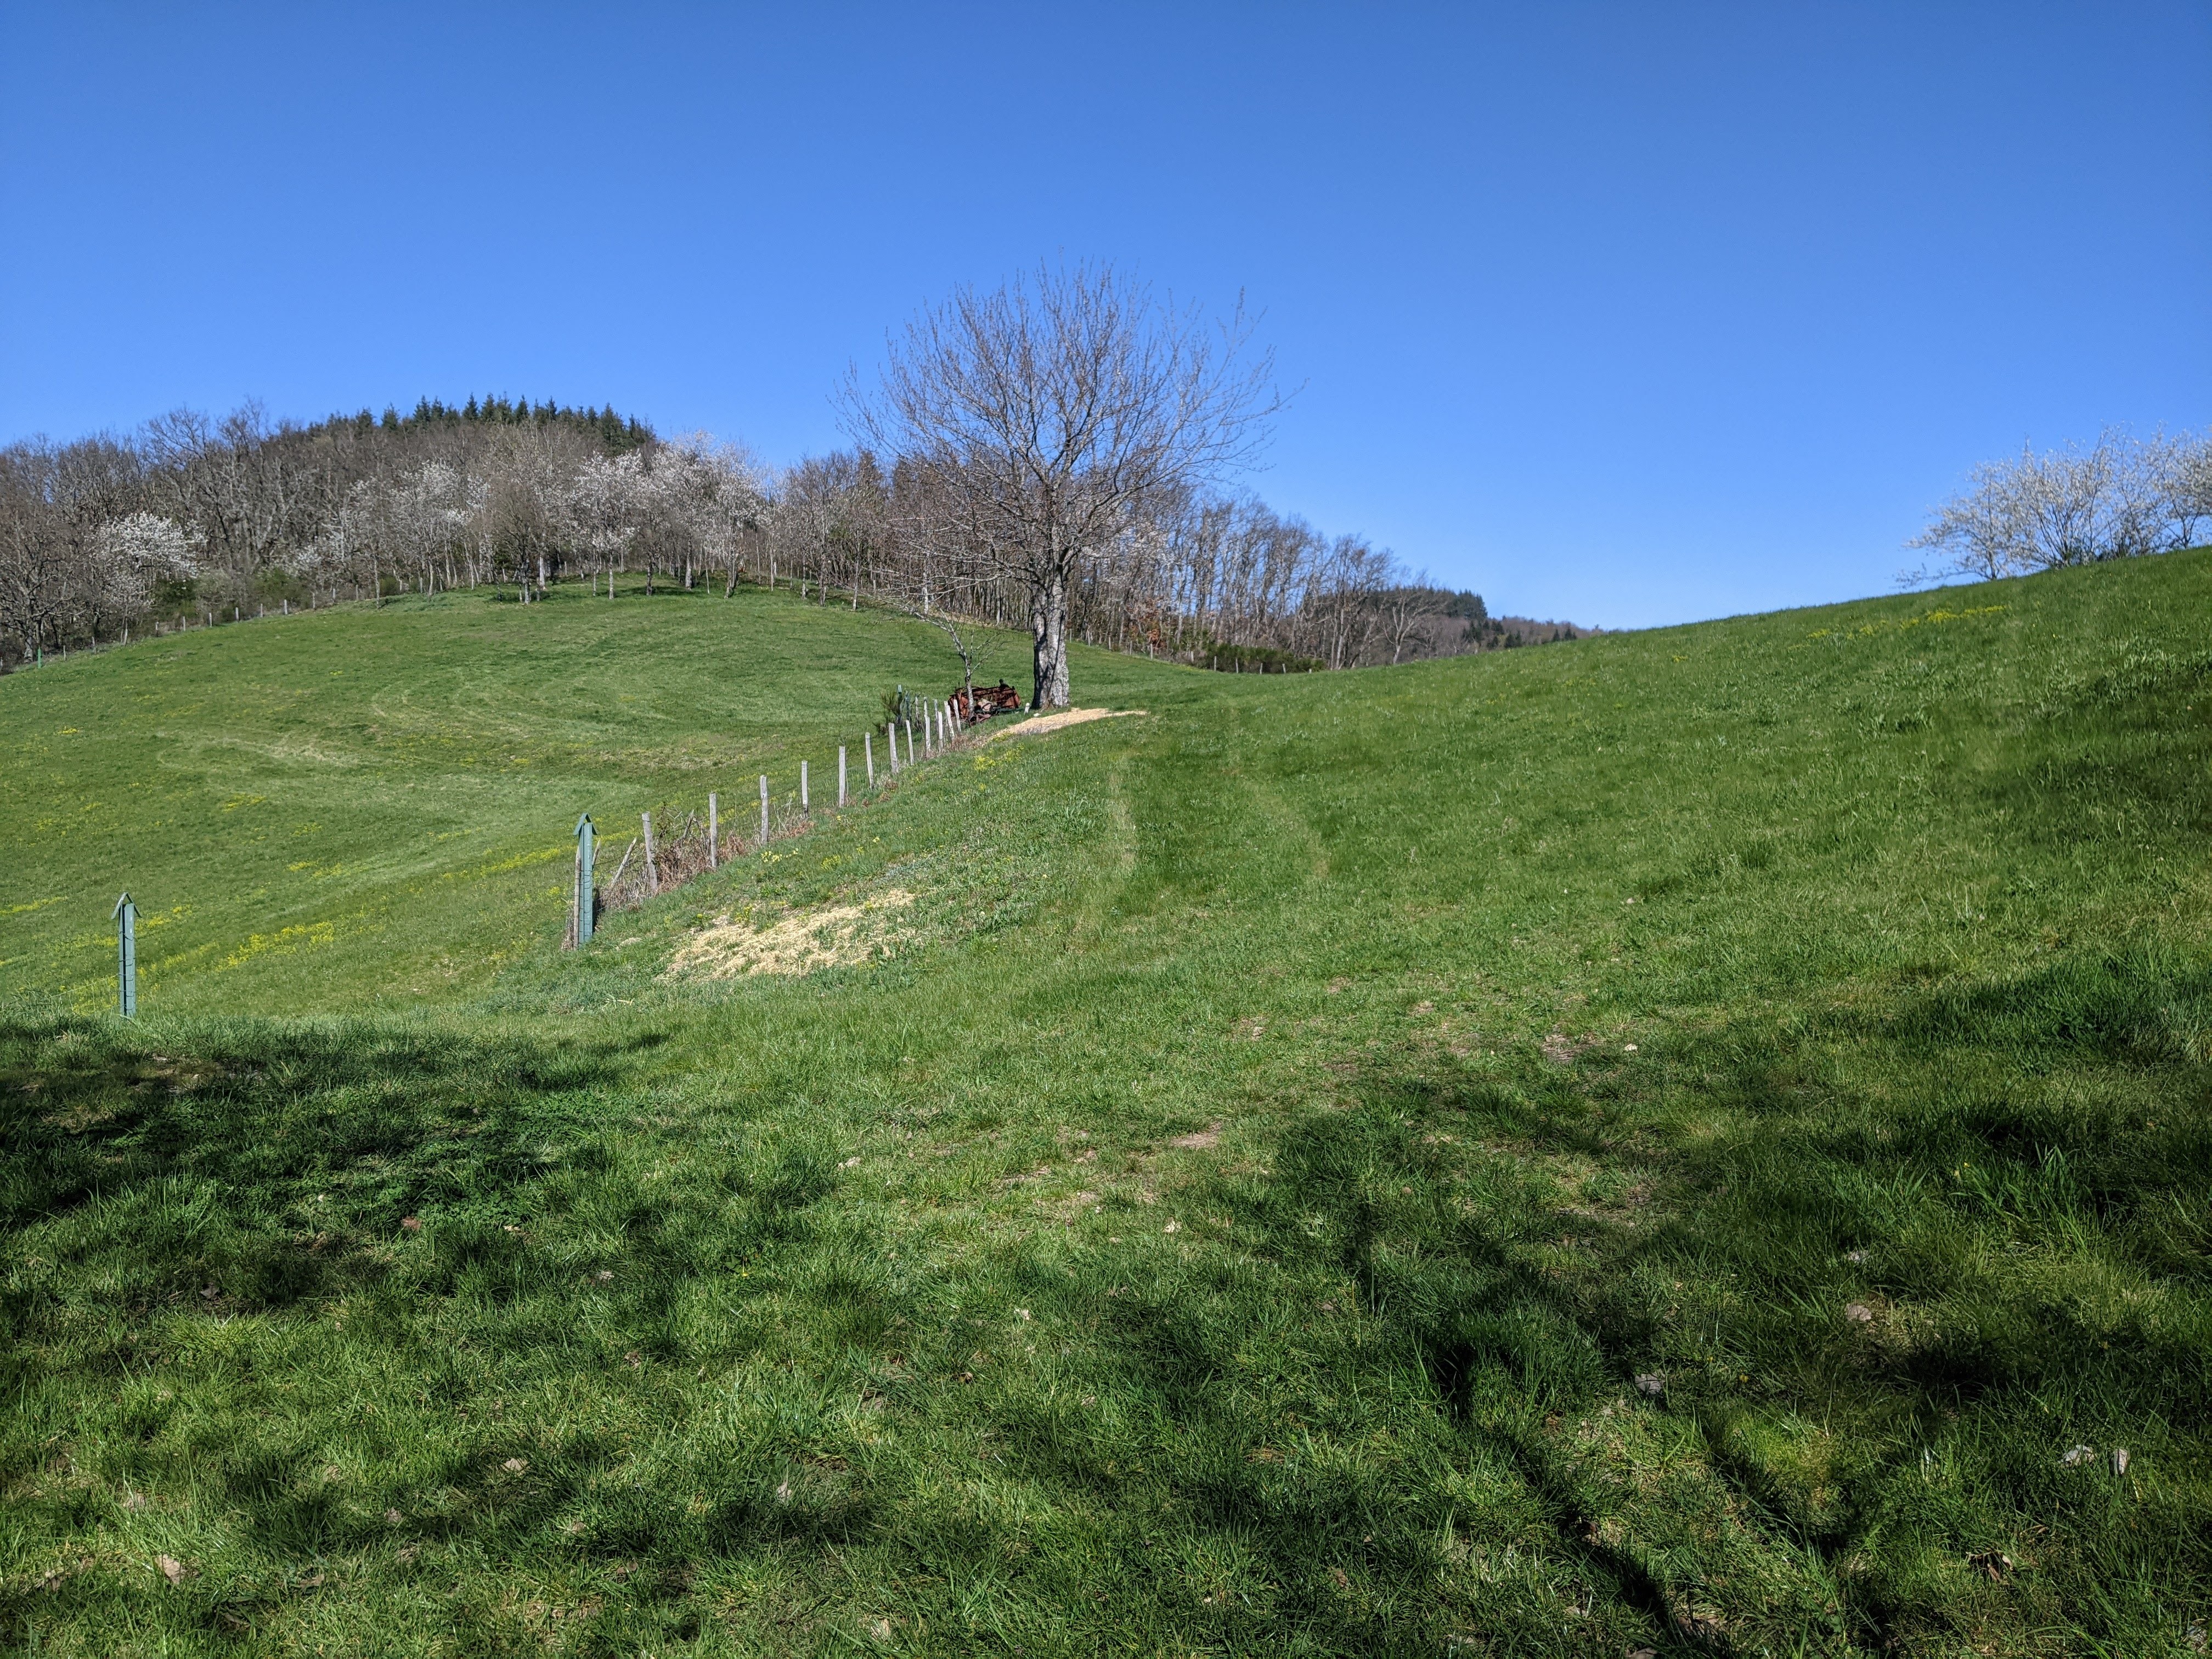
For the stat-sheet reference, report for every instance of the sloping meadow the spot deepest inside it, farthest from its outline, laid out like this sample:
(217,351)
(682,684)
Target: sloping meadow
(1693,1140)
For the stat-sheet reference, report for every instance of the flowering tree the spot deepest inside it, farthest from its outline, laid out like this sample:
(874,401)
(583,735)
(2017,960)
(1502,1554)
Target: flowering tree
(2117,498)
(138,549)
(604,503)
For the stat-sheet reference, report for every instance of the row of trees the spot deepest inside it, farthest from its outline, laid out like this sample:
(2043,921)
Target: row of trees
(1221,581)
(191,517)
(2118,498)
(1061,455)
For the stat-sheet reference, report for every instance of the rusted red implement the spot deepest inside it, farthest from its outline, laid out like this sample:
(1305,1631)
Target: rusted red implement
(989,700)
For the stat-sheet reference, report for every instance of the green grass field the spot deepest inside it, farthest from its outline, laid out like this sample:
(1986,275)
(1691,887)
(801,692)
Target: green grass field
(1230,1211)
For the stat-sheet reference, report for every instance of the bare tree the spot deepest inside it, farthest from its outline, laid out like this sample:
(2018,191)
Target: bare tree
(244,490)
(1048,416)
(1406,611)
(530,474)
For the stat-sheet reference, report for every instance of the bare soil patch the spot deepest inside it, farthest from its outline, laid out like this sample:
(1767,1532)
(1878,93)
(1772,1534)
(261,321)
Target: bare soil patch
(1037,723)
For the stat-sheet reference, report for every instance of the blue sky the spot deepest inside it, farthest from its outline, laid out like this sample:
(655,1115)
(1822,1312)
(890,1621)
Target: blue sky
(1625,313)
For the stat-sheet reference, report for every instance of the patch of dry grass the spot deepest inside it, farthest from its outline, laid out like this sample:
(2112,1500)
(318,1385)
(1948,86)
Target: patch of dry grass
(803,942)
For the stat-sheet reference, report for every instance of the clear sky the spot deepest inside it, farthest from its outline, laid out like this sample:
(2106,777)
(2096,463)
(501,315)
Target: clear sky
(1625,313)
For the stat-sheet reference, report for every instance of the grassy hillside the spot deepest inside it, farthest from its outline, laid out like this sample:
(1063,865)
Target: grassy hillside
(314,812)
(1676,1140)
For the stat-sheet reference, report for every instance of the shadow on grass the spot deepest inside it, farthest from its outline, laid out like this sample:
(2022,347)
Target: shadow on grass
(268,1163)
(1966,1226)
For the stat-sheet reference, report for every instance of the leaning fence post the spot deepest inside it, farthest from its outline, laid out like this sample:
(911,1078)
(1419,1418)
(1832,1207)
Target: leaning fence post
(890,737)
(803,804)
(763,811)
(909,742)
(868,749)
(714,834)
(586,897)
(126,958)
(841,775)
(651,870)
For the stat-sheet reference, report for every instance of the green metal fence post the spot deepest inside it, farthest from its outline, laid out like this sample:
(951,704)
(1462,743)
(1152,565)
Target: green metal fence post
(126,958)
(586,899)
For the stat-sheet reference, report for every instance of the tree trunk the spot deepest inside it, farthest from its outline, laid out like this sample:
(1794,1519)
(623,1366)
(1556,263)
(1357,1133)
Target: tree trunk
(1049,625)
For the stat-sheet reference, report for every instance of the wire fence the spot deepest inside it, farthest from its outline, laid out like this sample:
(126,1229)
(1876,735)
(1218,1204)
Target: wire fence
(671,849)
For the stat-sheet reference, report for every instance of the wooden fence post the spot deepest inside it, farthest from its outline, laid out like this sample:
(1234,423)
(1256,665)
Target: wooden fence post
(651,870)
(868,749)
(713,833)
(890,737)
(764,841)
(804,805)
(841,775)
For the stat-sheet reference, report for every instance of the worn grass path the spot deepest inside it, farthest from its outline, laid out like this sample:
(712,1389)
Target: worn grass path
(1231,1209)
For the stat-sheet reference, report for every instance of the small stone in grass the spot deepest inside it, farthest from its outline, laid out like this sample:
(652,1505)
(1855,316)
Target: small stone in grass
(783,1492)
(412,1224)
(2075,1456)
(1859,1314)
(134,1500)
(515,1465)
(1857,1258)
(603,1275)
(392,1517)
(172,1568)
(1650,1382)
(2119,1460)
(850,1164)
